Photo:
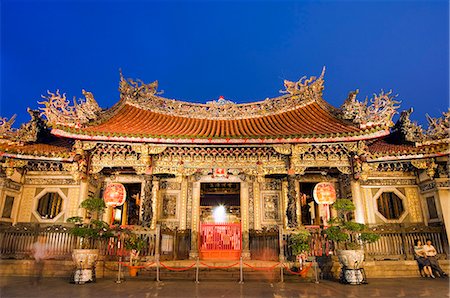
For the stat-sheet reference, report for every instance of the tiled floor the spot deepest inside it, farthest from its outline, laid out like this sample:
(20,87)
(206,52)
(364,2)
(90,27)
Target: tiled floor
(144,287)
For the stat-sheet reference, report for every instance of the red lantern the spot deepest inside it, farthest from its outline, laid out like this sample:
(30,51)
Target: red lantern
(324,193)
(115,194)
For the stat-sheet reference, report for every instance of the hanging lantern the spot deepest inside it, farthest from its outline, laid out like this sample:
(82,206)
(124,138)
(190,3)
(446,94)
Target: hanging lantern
(115,194)
(324,193)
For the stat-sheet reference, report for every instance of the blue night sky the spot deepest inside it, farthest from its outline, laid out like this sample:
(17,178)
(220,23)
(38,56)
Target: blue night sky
(242,50)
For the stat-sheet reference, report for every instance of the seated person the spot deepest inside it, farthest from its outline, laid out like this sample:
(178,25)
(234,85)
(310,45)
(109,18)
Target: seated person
(422,260)
(430,252)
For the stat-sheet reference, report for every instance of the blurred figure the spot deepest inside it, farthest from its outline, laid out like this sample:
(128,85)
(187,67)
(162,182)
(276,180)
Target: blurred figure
(40,253)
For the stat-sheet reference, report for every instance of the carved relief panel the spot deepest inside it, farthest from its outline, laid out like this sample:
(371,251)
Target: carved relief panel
(170,200)
(270,207)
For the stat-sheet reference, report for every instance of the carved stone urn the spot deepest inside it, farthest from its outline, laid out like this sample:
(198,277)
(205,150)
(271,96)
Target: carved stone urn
(85,258)
(352,262)
(351,259)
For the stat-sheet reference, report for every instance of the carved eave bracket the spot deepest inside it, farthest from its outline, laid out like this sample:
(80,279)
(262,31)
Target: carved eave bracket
(285,149)
(58,111)
(429,165)
(137,156)
(376,112)
(10,165)
(323,155)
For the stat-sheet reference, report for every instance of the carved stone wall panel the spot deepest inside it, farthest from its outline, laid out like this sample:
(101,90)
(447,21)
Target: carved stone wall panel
(10,185)
(271,184)
(388,181)
(73,204)
(49,181)
(251,207)
(414,205)
(169,201)
(270,202)
(169,185)
(26,204)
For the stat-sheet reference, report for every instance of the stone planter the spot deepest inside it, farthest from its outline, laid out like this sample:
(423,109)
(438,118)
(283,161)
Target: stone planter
(351,259)
(85,260)
(352,263)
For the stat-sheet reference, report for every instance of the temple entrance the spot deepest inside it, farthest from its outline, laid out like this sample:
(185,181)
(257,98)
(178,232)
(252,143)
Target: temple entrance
(220,221)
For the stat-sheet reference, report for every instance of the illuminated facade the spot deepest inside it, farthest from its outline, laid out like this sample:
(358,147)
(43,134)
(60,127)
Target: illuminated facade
(261,161)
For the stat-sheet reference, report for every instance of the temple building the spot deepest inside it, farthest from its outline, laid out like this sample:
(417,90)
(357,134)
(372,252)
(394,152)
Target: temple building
(249,167)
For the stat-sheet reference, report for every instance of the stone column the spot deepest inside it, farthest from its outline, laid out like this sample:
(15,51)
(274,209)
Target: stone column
(84,191)
(244,221)
(357,200)
(155,202)
(147,202)
(183,199)
(193,254)
(291,212)
(444,202)
(257,203)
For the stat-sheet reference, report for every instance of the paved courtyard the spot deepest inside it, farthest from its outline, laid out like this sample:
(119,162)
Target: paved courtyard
(58,287)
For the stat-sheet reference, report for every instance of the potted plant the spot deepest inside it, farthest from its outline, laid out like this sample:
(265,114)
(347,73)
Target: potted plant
(134,244)
(300,246)
(88,230)
(349,238)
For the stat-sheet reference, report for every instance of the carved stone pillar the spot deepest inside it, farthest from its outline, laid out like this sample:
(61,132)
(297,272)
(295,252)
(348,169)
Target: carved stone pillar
(443,193)
(184,198)
(147,202)
(155,201)
(244,220)
(357,200)
(291,212)
(193,254)
(257,204)
(84,191)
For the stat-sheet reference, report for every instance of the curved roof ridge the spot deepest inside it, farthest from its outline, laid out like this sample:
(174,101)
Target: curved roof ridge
(297,95)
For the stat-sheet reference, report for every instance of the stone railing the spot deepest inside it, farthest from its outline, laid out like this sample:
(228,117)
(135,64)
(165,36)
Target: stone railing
(397,241)
(16,242)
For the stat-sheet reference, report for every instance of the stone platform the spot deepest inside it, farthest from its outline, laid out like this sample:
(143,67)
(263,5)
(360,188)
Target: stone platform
(64,268)
(15,287)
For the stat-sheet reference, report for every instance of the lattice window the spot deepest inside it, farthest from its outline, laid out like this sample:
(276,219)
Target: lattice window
(390,205)
(49,205)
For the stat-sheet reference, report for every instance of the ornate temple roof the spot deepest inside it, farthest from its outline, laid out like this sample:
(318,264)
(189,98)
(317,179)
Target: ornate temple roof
(61,149)
(142,115)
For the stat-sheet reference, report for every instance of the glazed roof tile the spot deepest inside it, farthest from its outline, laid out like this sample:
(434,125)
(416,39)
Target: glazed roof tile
(58,147)
(313,120)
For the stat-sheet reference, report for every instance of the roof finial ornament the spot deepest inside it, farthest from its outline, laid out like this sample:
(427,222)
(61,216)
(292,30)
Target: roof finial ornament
(312,85)
(57,109)
(380,111)
(439,128)
(137,89)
